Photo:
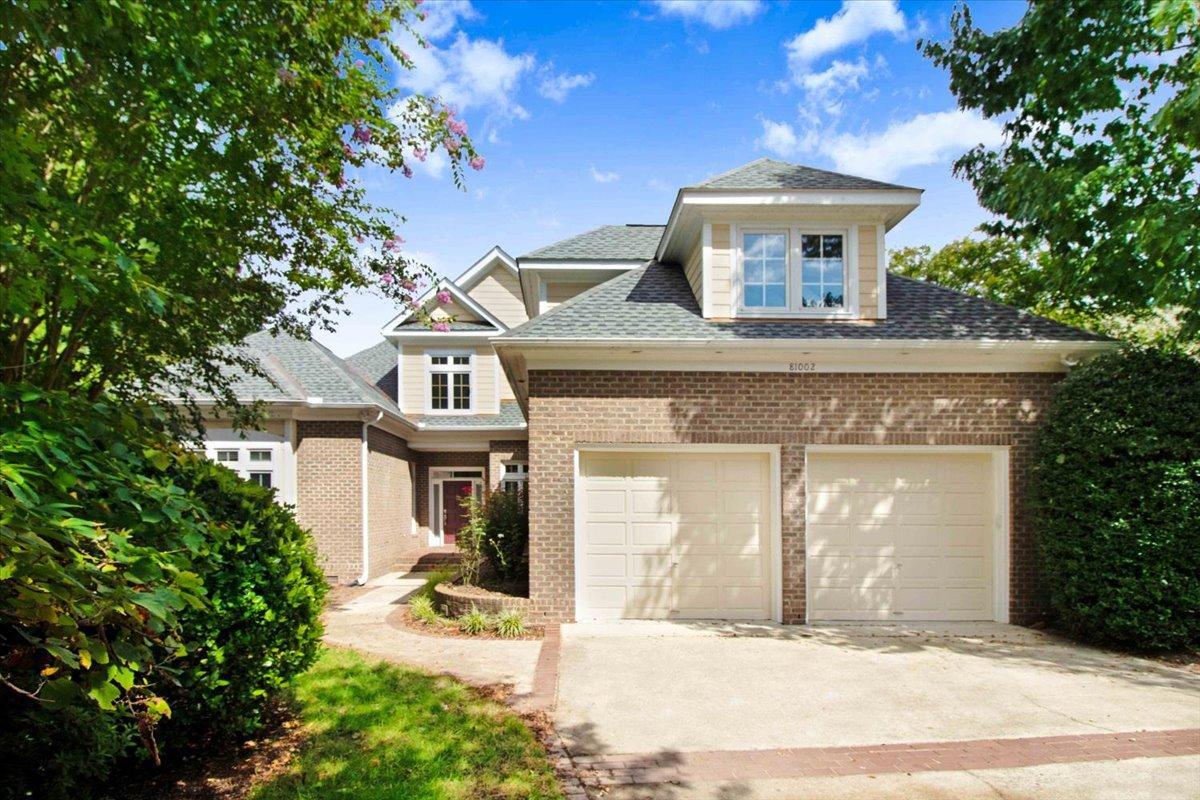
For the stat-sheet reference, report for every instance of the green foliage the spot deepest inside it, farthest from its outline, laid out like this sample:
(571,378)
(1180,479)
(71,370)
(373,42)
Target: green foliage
(262,625)
(379,730)
(60,753)
(470,539)
(1116,490)
(506,534)
(422,610)
(178,175)
(1000,269)
(510,623)
(1100,100)
(98,547)
(474,622)
(443,575)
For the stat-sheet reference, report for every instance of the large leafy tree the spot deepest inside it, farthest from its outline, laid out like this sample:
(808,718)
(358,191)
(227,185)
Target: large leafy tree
(1100,101)
(175,176)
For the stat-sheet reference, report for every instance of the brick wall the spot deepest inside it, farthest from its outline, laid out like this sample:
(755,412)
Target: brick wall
(570,407)
(391,473)
(329,493)
(425,460)
(500,452)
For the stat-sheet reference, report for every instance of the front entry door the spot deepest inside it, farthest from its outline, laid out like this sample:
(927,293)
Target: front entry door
(454,516)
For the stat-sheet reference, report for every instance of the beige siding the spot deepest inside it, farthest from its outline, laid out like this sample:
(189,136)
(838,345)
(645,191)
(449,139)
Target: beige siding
(415,389)
(500,293)
(562,292)
(694,269)
(721,272)
(506,392)
(452,309)
(868,272)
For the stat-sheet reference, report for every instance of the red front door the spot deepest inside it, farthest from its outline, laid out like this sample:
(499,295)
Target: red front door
(454,516)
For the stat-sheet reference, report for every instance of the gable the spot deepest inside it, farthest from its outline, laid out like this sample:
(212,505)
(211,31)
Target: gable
(452,309)
(499,291)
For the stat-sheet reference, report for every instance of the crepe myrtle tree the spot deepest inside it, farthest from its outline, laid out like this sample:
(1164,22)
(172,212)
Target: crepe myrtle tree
(176,176)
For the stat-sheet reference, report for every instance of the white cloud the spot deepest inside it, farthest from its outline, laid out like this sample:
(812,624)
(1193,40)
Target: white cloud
(603,177)
(855,21)
(823,90)
(717,14)
(780,138)
(443,17)
(921,140)
(557,87)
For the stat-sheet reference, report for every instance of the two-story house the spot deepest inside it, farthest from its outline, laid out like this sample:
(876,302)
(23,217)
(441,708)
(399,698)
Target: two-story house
(736,415)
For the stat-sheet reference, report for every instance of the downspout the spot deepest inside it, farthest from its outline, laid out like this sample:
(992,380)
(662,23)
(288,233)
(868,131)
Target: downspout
(366,519)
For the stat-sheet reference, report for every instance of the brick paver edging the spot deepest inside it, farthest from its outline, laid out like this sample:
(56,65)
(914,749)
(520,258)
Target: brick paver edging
(673,767)
(545,675)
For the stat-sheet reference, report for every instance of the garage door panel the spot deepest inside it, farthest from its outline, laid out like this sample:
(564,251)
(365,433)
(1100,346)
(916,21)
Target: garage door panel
(915,542)
(689,538)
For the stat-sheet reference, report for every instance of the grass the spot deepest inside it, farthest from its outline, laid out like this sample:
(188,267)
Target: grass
(378,730)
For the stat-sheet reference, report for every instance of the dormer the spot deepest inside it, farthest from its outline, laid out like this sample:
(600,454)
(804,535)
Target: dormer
(784,241)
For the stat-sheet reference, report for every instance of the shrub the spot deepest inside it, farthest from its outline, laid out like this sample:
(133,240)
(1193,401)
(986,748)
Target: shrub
(474,622)
(1116,492)
(262,625)
(421,608)
(470,538)
(506,534)
(443,575)
(510,623)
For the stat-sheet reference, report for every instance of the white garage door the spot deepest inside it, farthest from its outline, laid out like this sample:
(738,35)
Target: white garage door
(900,537)
(679,535)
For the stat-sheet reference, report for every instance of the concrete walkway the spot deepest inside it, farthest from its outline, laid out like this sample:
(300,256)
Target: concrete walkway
(362,624)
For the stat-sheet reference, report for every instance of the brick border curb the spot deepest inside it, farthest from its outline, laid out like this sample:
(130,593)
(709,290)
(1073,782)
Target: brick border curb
(675,767)
(545,675)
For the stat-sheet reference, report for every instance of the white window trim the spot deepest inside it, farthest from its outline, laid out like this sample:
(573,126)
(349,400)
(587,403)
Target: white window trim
(521,477)
(429,370)
(849,311)
(282,449)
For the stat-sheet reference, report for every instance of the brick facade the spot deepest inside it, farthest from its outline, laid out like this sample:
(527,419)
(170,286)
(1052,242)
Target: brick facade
(567,408)
(329,493)
(501,452)
(391,473)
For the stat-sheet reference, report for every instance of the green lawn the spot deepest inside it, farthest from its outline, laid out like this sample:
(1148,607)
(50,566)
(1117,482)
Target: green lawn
(382,731)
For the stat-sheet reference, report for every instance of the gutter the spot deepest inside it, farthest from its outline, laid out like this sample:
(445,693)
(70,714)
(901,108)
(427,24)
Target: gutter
(366,519)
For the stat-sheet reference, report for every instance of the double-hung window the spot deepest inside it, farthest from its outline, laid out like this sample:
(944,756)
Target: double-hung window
(794,271)
(450,382)
(516,473)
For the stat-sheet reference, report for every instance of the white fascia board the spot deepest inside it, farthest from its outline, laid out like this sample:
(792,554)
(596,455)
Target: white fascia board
(805,344)
(459,337)
(457,293)
(479,269)
(563,264)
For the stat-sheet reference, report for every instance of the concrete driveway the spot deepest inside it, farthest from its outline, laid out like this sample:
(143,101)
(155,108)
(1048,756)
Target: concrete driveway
(655,692)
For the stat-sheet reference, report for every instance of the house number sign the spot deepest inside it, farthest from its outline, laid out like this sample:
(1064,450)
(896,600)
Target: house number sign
(802,366)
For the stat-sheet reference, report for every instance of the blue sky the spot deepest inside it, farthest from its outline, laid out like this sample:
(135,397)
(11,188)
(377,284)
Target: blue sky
(592,113)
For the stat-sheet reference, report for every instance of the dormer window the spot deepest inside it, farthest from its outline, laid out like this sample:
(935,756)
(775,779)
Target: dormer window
(794,271)
(449,381)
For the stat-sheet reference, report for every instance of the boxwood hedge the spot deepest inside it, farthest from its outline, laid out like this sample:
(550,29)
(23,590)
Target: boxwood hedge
(1116,496)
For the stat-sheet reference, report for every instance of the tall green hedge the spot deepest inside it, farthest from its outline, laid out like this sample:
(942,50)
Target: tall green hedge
(1117,500)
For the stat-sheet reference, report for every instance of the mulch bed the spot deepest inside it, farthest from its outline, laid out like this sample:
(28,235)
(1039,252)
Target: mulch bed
(227,771)
(403,620)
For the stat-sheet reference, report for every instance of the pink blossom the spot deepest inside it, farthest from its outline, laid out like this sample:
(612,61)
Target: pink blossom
(451,145)
(420,153)
(393,243)
(362,134)
(404,56)
(347,151)
(286,75)
(457,127)
(386,278)
(441,327)
(408,284)
(340,182)
(477,163)
(443,297)
(359,63)
(407,170)
(359,239)
(418,3)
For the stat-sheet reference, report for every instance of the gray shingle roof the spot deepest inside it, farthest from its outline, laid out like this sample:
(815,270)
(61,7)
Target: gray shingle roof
(510,416)
(606,243)
(301,369)
(417,326)
(656,302)
(379,364)
(768,173)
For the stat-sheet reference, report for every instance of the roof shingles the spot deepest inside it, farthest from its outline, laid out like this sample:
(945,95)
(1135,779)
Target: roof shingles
(606,243)
(656,302)
(766,174)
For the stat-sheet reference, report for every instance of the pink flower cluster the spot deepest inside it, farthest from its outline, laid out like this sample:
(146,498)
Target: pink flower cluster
(457,127)
(362,134)
(441,327)
(443,297)
(392,243)
(420,153)
(477,163)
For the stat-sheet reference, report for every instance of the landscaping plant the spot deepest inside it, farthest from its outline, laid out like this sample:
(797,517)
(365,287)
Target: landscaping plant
(443,575)
(506,534)
(510,623)
(1116,491)
(474,622)
(422,610)
(471,537)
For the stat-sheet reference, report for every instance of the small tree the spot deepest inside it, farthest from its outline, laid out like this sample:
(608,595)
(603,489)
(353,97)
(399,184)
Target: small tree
(506,538)
(470,538)
(1116,491)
